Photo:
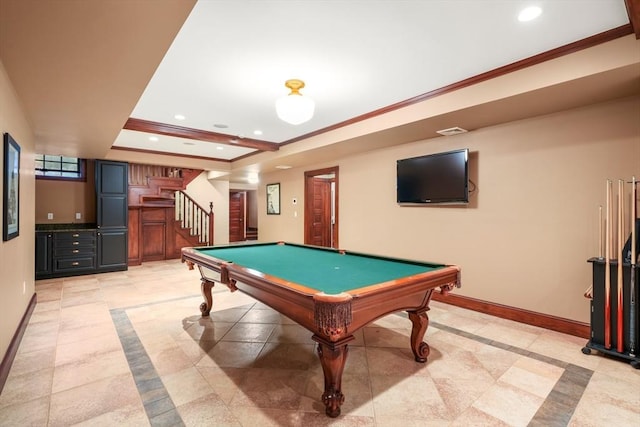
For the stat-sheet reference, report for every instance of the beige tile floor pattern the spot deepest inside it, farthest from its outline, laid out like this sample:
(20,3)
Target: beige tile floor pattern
(131,349)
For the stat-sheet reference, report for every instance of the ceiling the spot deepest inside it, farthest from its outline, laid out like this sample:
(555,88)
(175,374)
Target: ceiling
(98,78)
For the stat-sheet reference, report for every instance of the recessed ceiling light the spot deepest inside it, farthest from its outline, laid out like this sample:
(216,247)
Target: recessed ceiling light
(179,117)
(283,167)
(153,138)
(257,132)
(219,147)
(220,126)
(529,13)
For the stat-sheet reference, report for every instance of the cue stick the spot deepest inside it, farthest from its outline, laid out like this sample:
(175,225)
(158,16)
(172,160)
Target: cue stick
(620,312)
(632,287)
(600,232)
(607,272)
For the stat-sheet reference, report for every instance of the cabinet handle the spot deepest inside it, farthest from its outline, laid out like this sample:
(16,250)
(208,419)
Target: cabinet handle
(75,243)
(75,263)
(75,251)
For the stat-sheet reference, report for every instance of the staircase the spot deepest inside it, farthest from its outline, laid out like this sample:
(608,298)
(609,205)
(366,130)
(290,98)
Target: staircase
(162,217)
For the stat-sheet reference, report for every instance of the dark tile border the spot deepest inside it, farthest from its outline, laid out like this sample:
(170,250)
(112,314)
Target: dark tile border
(156,400)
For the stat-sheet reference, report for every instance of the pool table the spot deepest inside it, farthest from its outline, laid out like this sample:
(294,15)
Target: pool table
(330,292)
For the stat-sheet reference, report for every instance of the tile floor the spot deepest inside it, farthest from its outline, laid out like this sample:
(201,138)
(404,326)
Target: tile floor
(131,349)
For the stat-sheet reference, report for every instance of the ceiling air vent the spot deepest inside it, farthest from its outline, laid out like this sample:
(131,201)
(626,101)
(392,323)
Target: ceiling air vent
(451,131)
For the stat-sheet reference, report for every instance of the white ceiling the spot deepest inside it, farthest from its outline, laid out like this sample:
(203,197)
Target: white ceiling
(229,62)
(84,71)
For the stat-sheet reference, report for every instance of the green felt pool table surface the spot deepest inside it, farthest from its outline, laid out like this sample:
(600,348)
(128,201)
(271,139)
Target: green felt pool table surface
(325,270)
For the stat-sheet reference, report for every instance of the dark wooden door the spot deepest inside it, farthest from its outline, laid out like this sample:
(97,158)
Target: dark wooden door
(237,216)
(321,207)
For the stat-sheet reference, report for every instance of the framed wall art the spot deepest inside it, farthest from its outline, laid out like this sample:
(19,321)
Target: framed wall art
(273,199)
(11,189)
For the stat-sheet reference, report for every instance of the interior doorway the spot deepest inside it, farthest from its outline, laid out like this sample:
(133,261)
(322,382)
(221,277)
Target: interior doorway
(237,215)
(243,215)
(321,207)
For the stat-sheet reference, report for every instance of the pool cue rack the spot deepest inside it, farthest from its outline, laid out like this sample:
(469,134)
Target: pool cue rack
(597,340)
(615,289)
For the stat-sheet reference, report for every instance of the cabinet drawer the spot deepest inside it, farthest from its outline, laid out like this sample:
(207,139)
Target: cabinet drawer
(86,240)
(75,235)
(75,252)
(74,264)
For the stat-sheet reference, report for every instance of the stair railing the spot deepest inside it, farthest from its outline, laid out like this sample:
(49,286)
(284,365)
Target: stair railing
(194,217)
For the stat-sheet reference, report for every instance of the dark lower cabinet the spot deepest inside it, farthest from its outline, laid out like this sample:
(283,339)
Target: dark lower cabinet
(112,249)
(43,254)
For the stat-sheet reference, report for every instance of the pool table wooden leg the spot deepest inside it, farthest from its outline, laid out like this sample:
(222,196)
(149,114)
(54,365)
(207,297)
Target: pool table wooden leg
(333,357)
(420,322)
(205,288)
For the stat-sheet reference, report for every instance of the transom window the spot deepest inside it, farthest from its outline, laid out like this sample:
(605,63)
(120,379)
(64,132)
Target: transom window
(60,167)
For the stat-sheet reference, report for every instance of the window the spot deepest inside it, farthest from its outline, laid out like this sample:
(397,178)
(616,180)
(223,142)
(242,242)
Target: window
(60,167)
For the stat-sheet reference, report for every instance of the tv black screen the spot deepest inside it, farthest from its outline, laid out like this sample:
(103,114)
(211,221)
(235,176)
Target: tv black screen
(434,178)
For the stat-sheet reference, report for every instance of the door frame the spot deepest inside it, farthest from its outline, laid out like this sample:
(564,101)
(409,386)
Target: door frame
(308,203)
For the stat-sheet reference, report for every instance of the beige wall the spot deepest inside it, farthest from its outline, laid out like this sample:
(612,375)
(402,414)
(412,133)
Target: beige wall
(204,191)
(532,223)
(64,198)
(16,255)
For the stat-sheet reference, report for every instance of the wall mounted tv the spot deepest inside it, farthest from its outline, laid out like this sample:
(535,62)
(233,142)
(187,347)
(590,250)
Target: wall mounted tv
(434,178)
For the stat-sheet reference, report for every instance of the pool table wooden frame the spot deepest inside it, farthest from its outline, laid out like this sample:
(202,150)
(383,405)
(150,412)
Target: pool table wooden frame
(331,318)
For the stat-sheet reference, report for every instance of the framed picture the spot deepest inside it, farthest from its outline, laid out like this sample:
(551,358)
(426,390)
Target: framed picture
(273,199)
(11,189)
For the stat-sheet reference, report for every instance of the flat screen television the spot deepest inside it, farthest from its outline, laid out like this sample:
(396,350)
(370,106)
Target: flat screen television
(434,178)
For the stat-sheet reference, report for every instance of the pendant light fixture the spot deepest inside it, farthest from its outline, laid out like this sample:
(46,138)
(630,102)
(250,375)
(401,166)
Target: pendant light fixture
(295,108)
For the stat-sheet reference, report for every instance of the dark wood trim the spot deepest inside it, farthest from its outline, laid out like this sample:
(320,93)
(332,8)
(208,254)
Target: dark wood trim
(594,40)
(197,134)
(164,153)
(7,360)
(558,324)
(633,10)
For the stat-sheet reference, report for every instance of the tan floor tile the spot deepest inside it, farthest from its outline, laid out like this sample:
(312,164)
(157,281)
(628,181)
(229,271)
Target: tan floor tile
(232,354)
(26,413)
(26,387)
(401,395)
(170,360)
(500,400)
(384,337)
(272,388)
(113,394)
(186,386)
(564,347)
(225,382)
(394,362)
(95,367)
(126,416)
(87,348)
(25,363)
(207,411)
(475,418)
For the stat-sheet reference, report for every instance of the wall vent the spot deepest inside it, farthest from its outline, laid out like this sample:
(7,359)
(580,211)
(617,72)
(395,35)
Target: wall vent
(451,131)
